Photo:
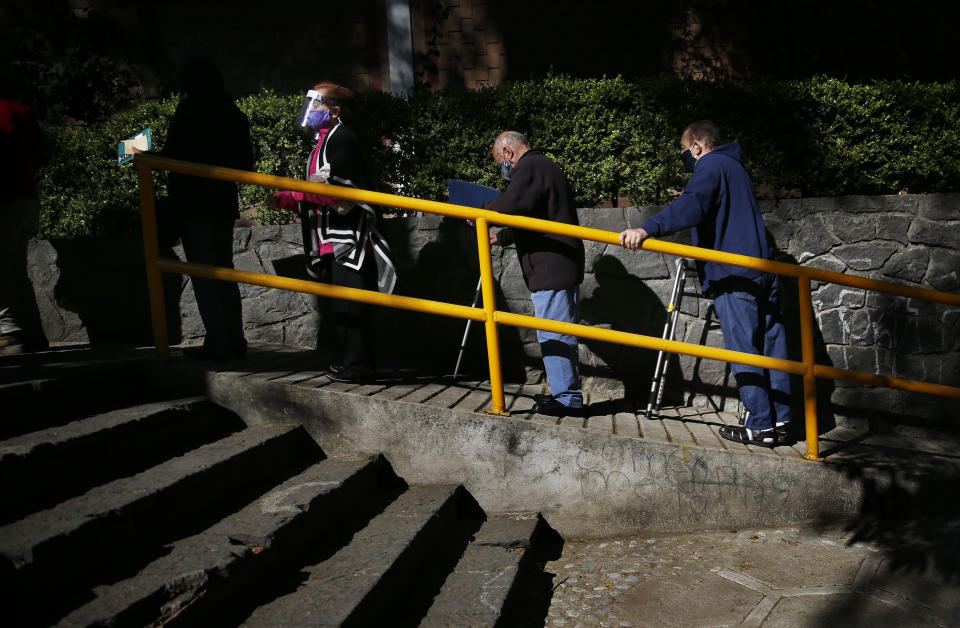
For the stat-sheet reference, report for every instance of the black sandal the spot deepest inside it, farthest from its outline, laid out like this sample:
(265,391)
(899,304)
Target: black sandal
(746,436)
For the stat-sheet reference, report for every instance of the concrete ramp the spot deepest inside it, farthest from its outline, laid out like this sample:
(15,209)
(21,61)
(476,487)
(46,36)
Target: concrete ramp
(610,473)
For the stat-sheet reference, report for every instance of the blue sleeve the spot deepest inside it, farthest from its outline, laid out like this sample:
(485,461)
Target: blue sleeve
(691,207)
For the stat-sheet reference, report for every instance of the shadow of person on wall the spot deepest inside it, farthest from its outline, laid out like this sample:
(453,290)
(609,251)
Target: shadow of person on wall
(109,292)
(622,302)
(445,269)
(790,308)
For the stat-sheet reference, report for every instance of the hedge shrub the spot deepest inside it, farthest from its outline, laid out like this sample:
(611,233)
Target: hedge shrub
(817,137)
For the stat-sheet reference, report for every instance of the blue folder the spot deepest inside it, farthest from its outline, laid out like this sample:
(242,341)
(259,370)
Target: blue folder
(469,194)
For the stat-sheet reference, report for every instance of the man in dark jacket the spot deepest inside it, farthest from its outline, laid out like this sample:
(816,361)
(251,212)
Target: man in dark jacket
(719,205)
(552,265)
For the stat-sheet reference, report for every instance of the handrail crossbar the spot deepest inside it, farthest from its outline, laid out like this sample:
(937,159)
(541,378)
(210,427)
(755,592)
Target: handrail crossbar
(490,316)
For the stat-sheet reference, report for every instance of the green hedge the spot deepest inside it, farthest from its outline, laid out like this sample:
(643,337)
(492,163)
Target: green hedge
(817,137)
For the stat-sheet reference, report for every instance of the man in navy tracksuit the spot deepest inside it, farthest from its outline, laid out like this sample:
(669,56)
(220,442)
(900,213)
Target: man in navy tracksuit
(719,205)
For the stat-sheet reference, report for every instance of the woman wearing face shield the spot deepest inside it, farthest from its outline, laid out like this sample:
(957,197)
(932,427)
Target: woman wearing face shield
(337,233)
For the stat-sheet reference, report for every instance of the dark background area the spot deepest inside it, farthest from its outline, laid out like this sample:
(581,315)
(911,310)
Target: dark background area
(81,60)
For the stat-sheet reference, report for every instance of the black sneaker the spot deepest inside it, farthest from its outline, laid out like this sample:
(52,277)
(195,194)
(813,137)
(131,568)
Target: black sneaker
(746,436)
(552,407)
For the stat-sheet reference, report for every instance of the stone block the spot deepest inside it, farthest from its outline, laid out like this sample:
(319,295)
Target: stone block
(894,227)
(241,239)
(832,327)
(511,278)
(834,295)
(922,335)
(858,326)
(825,262)
(854,227)
(248,261)
(605,219)
(951,329)
(591,251)
(837,356)
(636,216)
(933,232)
(60,324)
(780,231)
(865,359)
(890,302)
(939,206)
(924,368)
(884,204)
(643,264)
(813,237)
(292,234)
(429,222)
(783,209)
(909,264)
(944,270)
(272,251)
(866,255)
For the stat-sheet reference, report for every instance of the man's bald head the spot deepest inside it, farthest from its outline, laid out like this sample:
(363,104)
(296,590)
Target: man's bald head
(509,146)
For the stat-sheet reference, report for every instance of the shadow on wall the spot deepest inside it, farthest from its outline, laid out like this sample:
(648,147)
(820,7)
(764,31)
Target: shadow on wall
(790,307)
(294,268)
(103,280)
(445,269)
(622,302)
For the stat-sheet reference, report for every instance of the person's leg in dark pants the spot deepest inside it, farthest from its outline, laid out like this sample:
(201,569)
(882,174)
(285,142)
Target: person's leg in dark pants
(210,241)
(351,318)
(741,325)
(775,346)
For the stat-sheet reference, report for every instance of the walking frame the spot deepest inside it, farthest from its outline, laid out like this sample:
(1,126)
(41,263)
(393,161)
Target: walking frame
(658,381)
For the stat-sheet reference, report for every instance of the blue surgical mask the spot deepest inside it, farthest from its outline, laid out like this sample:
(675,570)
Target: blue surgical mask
(505,168)
(689,161)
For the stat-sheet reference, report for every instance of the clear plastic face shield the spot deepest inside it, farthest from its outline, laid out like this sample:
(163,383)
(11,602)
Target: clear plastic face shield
(312,117)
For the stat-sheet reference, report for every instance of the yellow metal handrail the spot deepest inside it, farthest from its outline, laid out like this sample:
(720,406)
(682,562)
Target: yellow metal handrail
(491,317)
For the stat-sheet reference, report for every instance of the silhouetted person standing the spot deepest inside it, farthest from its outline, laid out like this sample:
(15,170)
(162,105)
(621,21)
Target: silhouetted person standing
(20,141)
(209,128)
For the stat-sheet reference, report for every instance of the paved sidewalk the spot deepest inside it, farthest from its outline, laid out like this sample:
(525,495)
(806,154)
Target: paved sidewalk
(789,577)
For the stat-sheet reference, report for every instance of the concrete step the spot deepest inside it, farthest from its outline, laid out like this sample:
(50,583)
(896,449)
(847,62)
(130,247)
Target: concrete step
(45,398)
(488,584)
(385,571)
(112,530)
(39,469)
(207,575)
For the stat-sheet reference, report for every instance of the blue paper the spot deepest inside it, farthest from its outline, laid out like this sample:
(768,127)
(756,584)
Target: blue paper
(469,194)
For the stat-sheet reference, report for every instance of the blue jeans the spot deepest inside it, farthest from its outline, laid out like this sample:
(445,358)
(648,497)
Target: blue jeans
(751,323)
(561,354)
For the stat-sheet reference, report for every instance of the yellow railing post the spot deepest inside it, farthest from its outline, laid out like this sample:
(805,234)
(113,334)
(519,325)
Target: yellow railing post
(809,379)
(151,251)
(490,323)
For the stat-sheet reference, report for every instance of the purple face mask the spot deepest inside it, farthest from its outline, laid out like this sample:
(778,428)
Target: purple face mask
(318,119)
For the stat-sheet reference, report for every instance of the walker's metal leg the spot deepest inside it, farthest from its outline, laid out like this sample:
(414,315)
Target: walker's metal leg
(466,332)
(660,371)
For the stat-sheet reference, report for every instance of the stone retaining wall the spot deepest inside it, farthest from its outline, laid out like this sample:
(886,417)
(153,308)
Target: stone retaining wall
(909,239)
